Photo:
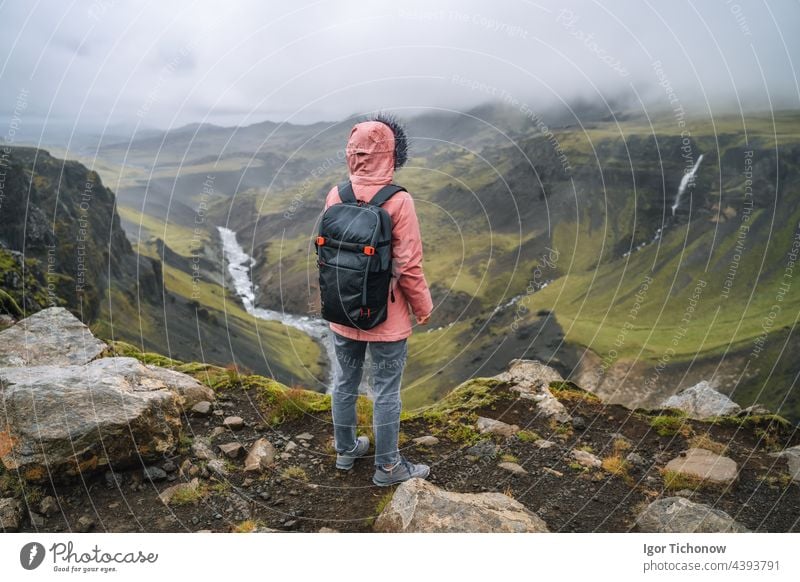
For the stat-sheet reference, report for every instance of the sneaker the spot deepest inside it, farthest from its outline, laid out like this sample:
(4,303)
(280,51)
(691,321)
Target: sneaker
(403,470)
(345,461)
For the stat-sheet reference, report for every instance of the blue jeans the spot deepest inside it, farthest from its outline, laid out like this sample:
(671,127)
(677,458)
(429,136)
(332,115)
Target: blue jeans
(388,362)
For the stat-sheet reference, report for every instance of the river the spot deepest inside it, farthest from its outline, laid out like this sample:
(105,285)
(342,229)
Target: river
(239,266)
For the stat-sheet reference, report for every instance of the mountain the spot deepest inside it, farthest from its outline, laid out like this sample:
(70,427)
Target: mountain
(62,244)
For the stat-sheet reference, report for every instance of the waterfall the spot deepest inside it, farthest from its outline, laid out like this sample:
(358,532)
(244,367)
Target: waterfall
(686,181)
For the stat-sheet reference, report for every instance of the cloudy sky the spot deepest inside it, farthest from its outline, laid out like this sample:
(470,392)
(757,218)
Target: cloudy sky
(98,64)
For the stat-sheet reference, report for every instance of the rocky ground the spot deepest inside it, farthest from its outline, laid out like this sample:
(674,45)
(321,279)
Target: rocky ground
(523,451)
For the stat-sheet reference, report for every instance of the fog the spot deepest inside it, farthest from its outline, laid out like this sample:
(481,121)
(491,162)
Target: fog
(104,65)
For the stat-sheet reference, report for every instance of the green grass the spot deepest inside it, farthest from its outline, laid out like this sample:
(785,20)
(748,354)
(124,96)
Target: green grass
(183,240)
(674,481)
(188,495)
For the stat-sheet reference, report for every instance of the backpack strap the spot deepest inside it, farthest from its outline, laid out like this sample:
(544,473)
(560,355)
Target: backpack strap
(346,192)
(385,193)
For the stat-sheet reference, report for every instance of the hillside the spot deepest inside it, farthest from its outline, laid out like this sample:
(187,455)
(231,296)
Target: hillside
(62,244)
(593,222)
(521,451)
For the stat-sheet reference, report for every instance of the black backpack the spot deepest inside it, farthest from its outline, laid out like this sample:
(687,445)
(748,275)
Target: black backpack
(354,256)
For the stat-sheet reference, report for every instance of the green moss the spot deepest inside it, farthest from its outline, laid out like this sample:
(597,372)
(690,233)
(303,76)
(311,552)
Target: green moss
(571,392)
(471,395)
(528,436)
(279,403)
(463,433)
(9,306)
(670,423)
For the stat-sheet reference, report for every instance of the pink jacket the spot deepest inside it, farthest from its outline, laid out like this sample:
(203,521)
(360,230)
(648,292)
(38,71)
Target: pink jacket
(370,160)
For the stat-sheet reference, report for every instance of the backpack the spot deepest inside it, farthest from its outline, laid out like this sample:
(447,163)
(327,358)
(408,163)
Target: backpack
(354,257)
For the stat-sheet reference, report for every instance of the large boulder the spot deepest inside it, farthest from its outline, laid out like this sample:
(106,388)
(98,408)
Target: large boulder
(679,515)
(63,420)
(704,465)
(532,380)
(702,401)
(419,506)
(52,337)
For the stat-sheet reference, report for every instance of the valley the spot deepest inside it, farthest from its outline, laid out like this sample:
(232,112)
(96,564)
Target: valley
(596,266)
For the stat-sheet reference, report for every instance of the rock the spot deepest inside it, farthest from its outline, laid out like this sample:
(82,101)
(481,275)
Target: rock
(705,465)
(491,426)
(202,408)
(50,337)
(233,423)
(306,436)
(544,444)
(550,407)
(529,375)
(201,448)
(578,423)
(218,430)
(167,494)
(636,459)
(186,465)
(48,506)
(261,456)
(84,524)
(512,468)
(419,506)
(792,456)
(552,472)
(679,515)
(68,420)
(483,450)
(327,530)
(217,466)
(154,473)
(755,409)
(426,441)
(290,446)
(36,520)
(189,391)
(231,450)
(685,493)
(10,514)
(532,380)
(169,466)
(586,459)
(702,401)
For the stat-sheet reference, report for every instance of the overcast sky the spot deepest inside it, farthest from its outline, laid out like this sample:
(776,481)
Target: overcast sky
(164,64)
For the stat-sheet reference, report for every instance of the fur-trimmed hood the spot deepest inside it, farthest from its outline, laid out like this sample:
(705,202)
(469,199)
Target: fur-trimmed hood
(376,148)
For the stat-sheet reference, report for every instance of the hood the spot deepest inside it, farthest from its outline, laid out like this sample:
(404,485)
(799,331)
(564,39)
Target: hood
(375,149)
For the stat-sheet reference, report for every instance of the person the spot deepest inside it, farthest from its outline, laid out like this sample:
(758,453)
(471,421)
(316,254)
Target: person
(375,149)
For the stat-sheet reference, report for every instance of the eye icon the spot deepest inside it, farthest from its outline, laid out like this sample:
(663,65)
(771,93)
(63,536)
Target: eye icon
(31,555)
